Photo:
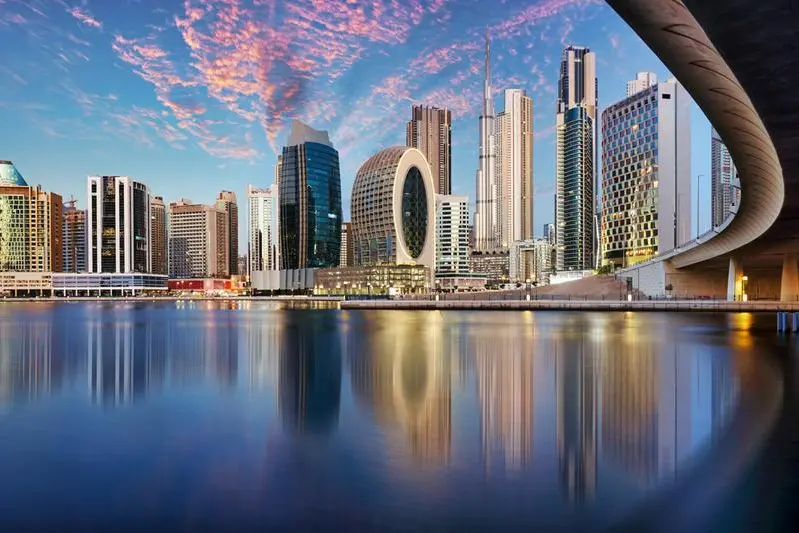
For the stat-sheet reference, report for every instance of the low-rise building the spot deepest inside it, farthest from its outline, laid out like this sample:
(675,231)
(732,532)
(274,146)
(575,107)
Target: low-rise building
(494,265)
(531,261)
(382,279)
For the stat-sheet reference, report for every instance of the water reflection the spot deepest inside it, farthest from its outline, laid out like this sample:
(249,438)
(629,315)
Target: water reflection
(575,409)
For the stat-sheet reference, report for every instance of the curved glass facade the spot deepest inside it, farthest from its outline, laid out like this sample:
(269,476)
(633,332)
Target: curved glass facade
(310,206)
(9,175)
(414,212)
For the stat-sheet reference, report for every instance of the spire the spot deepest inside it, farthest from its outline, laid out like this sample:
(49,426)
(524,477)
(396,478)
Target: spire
(488,61)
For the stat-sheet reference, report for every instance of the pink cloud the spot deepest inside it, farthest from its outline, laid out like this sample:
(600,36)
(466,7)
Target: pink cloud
(83,16)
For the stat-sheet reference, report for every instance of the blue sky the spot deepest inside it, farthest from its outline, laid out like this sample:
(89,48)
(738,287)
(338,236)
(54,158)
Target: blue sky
(195,96)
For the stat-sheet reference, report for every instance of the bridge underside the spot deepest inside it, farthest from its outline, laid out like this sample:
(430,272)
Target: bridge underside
(738,60)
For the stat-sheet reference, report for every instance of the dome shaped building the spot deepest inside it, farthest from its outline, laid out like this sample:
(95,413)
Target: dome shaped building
(393,209)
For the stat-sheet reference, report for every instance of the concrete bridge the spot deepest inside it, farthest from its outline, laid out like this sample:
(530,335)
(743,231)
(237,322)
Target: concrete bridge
(739,59)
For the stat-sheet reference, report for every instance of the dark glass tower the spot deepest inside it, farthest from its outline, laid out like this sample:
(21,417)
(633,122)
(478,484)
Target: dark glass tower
(310,201)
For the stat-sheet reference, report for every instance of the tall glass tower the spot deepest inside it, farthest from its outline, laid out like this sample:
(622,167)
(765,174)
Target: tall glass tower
(575,162)
(310,200)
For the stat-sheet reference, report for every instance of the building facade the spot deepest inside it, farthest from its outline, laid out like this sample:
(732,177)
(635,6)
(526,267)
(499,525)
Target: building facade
(393,209)
(646,174)
(575,161)
(452,235)
(74,238)
(30,225)
(430,131)
(158,236)
(724,193)
(484,221)
(494,265)
(118,225)
(346,256)
(513,174)
(226,201)
(197,241)
(642,81)
(373,280)
(263,228)
(309,192)
(530,261)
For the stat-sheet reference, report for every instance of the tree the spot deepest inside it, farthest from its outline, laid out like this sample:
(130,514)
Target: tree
(605,270)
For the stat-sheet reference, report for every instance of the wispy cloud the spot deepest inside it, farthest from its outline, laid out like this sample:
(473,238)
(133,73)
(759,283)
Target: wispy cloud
(85,17)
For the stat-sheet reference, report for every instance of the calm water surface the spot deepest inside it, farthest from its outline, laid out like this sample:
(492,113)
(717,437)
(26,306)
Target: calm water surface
(222,415)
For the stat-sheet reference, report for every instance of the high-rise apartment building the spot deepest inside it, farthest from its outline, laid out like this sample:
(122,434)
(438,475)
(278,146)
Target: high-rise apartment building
(30,225)
(74,238)
(723,192)
(158,236)
(513,174)
(263,228)
(486,235)
(197,240)
(549,232)
(118,225)
(309,192)
(347,255)
(430,130)
(575,161)
(452,235)
(226,201)
(646,174)
(642,81)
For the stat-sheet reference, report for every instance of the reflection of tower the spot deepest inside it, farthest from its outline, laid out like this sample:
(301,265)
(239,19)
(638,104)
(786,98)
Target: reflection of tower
(227,354)
(630,409)
(26,366)
(116,365)
(310,377)
(576,421)
(403,376)
(504,370)
(263,342)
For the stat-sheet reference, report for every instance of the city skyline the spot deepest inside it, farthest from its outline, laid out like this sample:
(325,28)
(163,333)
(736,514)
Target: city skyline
(112,125)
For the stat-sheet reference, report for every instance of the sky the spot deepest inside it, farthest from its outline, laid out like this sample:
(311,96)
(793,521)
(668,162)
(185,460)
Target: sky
(197,96)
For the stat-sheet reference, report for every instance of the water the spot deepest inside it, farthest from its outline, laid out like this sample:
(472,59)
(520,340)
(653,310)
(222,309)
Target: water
(211,415)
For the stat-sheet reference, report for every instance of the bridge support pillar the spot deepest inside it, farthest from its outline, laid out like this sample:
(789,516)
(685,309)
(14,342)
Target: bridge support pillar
(789,287)
(735,280)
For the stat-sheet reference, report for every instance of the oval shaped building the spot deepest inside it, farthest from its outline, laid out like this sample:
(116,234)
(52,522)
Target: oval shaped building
(393,209)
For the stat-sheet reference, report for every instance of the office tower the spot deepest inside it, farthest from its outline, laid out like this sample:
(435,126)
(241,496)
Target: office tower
(346,256)
(74,238)
(118,225)
(158,236)
(452,235)
(310,200)
(197,240)
(513,174)
(642,81)
(575,161)
(226,201)
(30,225)
(723,193)
(484,216)
(263,228)
(549,232)
(646,174)
(430,130)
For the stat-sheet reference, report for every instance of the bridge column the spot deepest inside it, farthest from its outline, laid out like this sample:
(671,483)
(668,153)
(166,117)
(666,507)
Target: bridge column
(789,288)
(735,280)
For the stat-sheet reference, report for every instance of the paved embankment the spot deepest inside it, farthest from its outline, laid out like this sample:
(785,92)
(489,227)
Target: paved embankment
(582,305)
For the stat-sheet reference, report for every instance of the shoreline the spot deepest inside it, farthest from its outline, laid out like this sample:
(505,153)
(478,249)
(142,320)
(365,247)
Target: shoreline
(461,305)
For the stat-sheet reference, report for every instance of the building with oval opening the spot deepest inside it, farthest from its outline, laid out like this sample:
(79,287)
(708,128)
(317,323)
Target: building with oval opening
(393,209)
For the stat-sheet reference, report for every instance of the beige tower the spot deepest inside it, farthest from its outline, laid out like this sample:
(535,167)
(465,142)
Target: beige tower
(430,131)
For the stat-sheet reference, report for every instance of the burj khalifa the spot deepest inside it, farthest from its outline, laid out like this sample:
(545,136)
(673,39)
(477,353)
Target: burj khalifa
(484,217)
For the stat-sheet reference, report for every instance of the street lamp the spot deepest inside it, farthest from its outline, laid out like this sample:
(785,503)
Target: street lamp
(744,296)
(528,289)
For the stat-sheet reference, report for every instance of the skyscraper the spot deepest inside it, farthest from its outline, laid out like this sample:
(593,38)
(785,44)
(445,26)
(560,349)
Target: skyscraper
(347,255)
(74,238)
(227,202)
(575,162)
(263,228)
(642,81)
(484,216)
(310,200)
(646,174)
(452,234)
(118,225)
(430,130)
(30,225)
(513,174)
(159,236)
(723,173)
(197,240)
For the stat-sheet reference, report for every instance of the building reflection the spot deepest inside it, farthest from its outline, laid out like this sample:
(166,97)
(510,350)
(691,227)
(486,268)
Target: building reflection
(504,374)
(309,375)
(27,368)
(401,373)
(577,413)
